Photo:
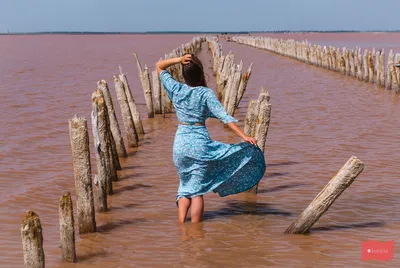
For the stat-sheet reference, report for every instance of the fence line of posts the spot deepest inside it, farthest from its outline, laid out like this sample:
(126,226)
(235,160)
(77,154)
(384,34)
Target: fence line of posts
(369,65)
(109,146)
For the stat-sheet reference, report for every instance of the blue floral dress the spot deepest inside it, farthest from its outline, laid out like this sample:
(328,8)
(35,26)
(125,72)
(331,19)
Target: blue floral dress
(205,165)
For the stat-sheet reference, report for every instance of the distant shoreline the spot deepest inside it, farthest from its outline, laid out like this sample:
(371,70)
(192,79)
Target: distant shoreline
(182,32)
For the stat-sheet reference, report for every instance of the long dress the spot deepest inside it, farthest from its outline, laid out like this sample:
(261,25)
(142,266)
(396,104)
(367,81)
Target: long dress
(205,165)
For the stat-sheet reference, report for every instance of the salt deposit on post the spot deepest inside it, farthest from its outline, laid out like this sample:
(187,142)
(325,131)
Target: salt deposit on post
(32,241)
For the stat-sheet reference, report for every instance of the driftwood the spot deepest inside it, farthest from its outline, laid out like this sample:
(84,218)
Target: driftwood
(132,105)
(82,172)
(114,126)
(146,85)
(67,230)
(130,129)
(32,241)
(336,186)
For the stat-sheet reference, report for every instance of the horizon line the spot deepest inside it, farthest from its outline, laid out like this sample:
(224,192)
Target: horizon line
(198,32)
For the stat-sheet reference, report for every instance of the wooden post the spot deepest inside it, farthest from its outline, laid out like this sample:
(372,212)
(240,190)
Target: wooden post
(243,84)
(359,65)
(365,65)
(32,241)
(264,116)
(67,229)
(79,138)
(389,68)
(233,92)
(251,118)
(145,80)
(132,104)
(396,73)
(104,185)
(114,126)
(382,68)
(371,66)
(336,186)
(156,92)
(126,113)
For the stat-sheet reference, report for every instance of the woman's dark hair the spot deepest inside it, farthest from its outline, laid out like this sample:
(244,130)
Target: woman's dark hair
(193,73)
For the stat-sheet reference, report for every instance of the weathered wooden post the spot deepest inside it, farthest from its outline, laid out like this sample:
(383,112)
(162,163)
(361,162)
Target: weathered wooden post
(67,229)
(264,116)
(104,181)
(382,68)
(389,68)
(396,73)
(156,92)
(114,126)
(32,241)
(359,65)
(251,118)
(371,66)
(130,130)
(145,80)
(243,84)
(366,65)
(79,138)
(336,186)
(234,90)
(132,104)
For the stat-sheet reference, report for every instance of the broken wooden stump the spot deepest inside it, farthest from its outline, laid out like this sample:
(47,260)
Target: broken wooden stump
(156,92)
(132,104)
(101,150)
(336,186)
(130,129)
(146,85)
(114,126)
(67,229)
(32,241)
(79,138)
(243,84)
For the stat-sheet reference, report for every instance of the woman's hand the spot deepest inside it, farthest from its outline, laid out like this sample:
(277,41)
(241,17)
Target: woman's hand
(185,59)
(250,140)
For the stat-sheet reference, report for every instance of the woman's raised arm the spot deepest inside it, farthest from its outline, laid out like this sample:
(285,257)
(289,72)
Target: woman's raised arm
(164,64)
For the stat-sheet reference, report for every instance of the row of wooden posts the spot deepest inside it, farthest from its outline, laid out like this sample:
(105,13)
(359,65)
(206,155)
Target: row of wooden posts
(231,83)
(109,146)
(369,66)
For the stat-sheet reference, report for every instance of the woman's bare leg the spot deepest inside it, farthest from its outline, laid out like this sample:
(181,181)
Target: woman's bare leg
(183,207)
(197,209)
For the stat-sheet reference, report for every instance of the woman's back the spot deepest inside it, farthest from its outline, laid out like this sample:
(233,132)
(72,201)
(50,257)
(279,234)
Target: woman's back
(193,104)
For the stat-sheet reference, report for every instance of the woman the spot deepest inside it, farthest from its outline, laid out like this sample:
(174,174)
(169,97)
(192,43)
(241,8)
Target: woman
(205,165)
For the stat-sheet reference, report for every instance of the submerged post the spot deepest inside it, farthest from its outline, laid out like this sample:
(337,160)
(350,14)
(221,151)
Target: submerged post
(32,241)
(336,186)
(67,230)
(79,138)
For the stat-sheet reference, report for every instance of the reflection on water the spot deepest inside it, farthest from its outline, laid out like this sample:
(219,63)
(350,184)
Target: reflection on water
(319,119)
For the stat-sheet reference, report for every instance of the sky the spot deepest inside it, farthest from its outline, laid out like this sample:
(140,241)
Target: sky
(198,15)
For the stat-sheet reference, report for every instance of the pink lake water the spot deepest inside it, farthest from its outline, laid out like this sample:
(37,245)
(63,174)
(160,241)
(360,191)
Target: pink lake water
(319,120)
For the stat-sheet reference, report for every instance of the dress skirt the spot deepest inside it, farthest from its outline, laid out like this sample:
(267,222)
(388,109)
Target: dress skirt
(205,165)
